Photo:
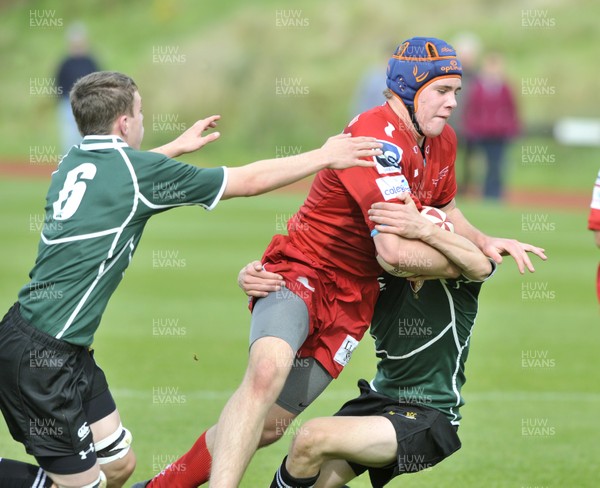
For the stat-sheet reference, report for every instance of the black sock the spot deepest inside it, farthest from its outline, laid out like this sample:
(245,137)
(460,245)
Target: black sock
(283,479)
(16,474)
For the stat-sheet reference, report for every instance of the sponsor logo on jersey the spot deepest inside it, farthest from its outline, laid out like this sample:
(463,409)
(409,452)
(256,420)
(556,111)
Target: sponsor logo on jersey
(441,175)
(389,161)
(391,186)
(344,353)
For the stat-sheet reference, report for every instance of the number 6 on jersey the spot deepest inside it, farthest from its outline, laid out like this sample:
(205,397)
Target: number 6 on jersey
(69,198)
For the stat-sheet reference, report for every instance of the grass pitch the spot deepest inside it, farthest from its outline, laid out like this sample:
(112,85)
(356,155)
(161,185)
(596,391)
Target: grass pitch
(174,341)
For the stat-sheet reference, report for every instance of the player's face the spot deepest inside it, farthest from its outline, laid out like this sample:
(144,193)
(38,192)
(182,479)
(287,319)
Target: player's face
(435,104)
(135,124)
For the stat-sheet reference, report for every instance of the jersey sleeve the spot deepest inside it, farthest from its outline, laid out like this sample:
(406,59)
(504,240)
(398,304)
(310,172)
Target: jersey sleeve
(594,217)
(385,181)
(166,183)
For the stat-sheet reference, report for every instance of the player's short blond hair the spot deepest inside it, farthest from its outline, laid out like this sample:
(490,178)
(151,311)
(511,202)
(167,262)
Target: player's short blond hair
(99,98)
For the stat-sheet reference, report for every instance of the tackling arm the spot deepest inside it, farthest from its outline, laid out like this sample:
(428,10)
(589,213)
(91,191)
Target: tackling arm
(339,152)
(405,232)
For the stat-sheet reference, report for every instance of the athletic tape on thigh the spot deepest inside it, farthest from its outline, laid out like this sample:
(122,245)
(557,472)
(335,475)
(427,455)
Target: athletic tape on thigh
(114,447)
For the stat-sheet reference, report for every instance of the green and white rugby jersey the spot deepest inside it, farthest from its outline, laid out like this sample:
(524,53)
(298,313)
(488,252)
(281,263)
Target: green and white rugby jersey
(100,198)
(423,341)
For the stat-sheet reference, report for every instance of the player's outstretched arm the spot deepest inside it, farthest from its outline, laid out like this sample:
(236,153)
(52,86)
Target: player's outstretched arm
(192,139)
(494,247)
(425,248)
(339,152)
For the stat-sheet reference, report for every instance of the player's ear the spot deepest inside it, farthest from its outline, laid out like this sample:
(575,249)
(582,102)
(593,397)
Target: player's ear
(122,124)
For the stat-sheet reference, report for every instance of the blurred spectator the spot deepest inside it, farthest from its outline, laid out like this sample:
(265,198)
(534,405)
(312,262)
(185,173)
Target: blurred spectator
(75,65)
(594,224)
(491,120)
(369,92)
(370,88)
(468,48)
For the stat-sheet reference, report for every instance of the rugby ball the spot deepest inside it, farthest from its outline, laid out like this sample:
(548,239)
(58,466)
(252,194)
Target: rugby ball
(438,217)
(435,215)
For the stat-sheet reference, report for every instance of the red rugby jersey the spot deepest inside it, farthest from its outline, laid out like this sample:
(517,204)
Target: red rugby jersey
(332,226)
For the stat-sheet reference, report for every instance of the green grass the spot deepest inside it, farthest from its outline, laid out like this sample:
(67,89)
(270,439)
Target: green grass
(234,53)
(205,363)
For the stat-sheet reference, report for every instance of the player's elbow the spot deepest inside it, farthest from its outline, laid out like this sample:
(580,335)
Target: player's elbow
(391,257)
(480,271)
(241,183)
(452,271)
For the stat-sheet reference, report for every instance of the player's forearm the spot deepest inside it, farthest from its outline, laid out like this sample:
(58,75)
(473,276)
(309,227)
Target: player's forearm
(270,174)
(170,149)
(462,252)
(464,228)
(415,256)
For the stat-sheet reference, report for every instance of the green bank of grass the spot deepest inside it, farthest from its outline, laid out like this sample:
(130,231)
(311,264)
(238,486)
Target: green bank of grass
(227,57)
(174,341)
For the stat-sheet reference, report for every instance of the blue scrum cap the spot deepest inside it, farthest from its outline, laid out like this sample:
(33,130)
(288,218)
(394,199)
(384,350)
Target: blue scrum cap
(416,63)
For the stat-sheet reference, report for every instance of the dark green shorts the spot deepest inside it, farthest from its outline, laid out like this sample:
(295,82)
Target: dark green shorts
(50,393)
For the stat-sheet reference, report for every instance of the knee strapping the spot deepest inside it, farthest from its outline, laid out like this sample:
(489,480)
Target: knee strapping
(114,447)
(99,483)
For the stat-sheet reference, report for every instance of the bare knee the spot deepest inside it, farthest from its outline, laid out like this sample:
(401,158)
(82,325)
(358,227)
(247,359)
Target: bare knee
(310,443)
(267,373)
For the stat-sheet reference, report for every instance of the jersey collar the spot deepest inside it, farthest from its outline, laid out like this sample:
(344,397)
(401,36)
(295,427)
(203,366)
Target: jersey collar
(94,143)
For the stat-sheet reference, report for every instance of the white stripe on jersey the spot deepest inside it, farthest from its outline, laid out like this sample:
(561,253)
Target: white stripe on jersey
(80,237)
(112,142)
(418,349)
(136,188)
(459,347)
(102,145)
(101,272)
(149,204)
